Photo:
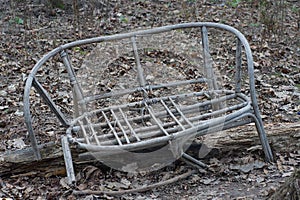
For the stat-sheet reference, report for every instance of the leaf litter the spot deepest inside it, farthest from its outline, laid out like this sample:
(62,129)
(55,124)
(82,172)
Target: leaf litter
(26,36)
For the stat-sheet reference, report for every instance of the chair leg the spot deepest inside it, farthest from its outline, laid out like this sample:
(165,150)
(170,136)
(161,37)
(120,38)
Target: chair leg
(68,160)
(193,161)
(263,138)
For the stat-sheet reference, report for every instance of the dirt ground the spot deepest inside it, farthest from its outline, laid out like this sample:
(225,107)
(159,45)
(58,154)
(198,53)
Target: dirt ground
(29,29)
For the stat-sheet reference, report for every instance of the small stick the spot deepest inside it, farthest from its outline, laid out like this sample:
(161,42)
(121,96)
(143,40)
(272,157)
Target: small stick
(141,189)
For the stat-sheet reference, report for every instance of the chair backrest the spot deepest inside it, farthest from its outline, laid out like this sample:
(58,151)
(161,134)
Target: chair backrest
(140,64)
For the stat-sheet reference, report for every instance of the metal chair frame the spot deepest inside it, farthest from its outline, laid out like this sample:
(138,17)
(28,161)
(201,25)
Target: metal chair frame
(182,120)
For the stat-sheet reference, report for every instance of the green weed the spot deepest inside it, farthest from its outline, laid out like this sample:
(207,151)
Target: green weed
(234,3)
(254,24)
(123,19)
(17,20)
(295,9)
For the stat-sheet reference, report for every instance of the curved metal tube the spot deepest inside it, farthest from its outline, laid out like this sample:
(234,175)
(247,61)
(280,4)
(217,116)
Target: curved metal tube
(57,50)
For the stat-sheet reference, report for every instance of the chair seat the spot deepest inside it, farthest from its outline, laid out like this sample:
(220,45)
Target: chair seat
(155,121)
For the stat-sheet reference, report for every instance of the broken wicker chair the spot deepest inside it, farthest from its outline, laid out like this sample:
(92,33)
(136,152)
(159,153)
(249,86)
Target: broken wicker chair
(139,99)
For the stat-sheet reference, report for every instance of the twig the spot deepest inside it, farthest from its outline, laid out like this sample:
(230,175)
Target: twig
(38,29)
(141,189)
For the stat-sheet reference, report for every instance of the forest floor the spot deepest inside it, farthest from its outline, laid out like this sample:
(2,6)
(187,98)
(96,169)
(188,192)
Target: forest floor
(29,30)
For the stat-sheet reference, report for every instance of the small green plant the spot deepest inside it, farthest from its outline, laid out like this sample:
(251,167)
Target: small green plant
(234,3)
(80,50)
(295,9)
(254,24)
(123,18)
(17,20)
(57,4)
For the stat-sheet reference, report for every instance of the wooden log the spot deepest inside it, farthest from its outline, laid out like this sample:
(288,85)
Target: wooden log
(22,161)
(282,137)
(48,151)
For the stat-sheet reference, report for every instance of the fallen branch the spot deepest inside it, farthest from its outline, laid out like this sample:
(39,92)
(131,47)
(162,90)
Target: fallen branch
(141,189)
